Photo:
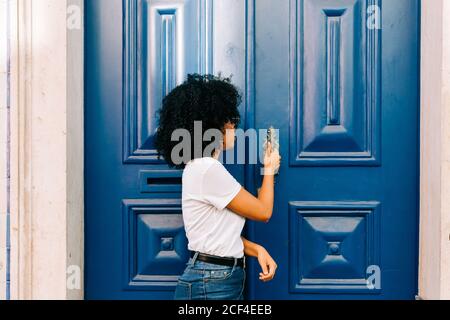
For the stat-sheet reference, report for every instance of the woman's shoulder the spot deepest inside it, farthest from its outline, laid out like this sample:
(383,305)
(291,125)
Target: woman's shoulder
(196,169)
(203,175)
(205,162)
(206,168)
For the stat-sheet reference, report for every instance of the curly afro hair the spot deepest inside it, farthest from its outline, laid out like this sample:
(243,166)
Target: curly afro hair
(213,100)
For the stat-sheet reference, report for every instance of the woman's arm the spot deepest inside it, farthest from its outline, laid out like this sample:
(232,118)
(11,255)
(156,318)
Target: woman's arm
(251,249)
(259,208)
(266,262)
(255,208)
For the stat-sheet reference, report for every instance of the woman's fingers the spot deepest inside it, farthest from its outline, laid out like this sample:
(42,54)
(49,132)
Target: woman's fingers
(268,265)
(271,267)
(276,161)
(265,274)
(266,278)
(264,268)
(269,148)
(268,152)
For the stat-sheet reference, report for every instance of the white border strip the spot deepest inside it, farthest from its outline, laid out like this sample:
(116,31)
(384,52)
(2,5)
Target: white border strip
(4,129)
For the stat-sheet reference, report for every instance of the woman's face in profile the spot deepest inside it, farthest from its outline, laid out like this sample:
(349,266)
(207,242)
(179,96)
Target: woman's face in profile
(229,136)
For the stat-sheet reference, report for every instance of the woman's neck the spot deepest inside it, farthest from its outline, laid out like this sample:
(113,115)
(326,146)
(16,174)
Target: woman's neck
(216,154)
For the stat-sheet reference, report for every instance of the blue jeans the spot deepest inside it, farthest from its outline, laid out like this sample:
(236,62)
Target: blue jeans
(206,281)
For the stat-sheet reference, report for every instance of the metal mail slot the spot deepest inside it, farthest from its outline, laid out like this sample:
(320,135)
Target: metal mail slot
(160,181)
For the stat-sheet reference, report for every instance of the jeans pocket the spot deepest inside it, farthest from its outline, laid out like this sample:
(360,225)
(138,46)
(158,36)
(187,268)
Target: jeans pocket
(219,274)
(227,286)
(183,291)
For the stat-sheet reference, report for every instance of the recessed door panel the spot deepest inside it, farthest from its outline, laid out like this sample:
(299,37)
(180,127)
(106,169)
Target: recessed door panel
(163,41)
(335,75)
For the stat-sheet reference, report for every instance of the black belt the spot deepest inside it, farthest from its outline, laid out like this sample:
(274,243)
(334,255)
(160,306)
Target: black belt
(224,261)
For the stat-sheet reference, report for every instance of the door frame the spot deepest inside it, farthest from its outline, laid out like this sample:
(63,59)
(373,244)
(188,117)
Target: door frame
(46,192)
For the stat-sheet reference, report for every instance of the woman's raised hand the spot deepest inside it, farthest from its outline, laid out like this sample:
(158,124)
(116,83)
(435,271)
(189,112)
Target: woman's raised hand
(272,160)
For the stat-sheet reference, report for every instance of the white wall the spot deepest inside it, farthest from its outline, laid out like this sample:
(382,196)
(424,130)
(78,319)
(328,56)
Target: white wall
(434,266)
(47,152)
(445,211)
(75,145)
(3,144)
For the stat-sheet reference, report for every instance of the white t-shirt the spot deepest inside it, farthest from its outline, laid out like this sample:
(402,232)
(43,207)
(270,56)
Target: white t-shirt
(210,227)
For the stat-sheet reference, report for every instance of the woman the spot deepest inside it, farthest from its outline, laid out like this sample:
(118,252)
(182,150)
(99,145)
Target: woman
(214,204)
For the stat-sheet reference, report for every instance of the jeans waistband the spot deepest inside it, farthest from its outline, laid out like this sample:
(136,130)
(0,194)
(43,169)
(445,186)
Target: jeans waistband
(225,261)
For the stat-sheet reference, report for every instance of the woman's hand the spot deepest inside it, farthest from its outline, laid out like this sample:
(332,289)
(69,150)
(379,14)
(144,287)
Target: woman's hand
(271,160)
(268,265)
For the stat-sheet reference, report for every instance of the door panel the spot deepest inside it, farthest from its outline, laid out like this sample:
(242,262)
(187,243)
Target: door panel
(344,97)
(136,52)
(159,51)
(335,82)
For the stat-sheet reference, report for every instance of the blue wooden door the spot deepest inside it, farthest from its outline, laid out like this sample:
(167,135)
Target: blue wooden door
(339,78)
